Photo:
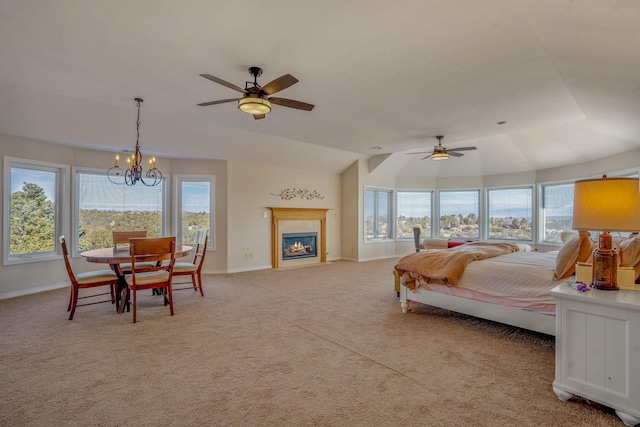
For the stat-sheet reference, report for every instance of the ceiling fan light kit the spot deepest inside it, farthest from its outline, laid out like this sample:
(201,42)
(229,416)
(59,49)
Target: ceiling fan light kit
(440,156)
(252,104)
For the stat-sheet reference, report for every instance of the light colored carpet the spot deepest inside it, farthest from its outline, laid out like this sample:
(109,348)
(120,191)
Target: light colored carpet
(319,346)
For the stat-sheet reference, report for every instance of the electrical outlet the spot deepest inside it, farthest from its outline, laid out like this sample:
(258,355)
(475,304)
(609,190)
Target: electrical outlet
(264,214)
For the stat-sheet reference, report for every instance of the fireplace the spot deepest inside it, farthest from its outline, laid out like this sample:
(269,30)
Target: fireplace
(298,221)
(299,245)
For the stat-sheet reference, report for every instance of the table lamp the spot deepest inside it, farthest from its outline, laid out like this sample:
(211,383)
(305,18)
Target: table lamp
(606,204)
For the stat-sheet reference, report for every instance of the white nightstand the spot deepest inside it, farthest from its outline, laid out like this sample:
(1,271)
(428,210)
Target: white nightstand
(598,348)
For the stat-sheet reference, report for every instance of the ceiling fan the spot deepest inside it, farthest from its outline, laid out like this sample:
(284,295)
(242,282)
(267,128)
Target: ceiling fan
(441,153)
(256,99)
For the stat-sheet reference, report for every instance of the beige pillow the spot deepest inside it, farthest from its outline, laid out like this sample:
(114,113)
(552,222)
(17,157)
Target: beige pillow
(576,249)
(630,254)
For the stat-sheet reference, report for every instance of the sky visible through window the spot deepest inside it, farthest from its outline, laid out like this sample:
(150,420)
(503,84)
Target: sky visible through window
(99,193)
(197,196)
(459,202)
(510,203)
(44,179)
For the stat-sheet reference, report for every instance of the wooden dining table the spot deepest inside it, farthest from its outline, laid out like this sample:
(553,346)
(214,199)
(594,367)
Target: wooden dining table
(114,257)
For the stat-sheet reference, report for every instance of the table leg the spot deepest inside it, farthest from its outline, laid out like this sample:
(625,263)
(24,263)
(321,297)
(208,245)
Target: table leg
(122,293)
(122,296)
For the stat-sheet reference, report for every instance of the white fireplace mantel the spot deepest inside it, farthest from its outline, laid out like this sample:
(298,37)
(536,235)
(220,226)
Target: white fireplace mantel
(302,214)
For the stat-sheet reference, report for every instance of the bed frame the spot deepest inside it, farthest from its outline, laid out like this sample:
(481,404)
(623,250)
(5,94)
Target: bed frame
(531,320)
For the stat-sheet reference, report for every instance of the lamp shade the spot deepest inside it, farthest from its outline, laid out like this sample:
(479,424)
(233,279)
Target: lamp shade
(607,204)
(441,155)
(254,105)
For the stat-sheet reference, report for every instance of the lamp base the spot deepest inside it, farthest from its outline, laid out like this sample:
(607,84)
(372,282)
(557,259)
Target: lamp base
(608,287)
(605,265)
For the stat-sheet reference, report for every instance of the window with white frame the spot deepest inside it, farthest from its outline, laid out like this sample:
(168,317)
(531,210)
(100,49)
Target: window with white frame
(459,212)
(35,209)
(556,211)
(102,207)
(194,207)
(510,213)
(413,210)
(378,214)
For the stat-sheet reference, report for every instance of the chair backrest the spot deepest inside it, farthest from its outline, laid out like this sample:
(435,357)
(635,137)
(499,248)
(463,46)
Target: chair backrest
(122,237)
(152,250)
(416,238)
(65,253)
(202,239)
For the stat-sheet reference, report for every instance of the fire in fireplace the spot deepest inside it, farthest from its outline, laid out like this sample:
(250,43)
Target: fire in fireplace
(299,245)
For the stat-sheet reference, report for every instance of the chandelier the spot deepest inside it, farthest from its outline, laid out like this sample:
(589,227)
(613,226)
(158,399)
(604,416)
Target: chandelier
(133,173)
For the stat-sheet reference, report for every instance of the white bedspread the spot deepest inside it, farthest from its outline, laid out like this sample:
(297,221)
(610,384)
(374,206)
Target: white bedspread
(518,279)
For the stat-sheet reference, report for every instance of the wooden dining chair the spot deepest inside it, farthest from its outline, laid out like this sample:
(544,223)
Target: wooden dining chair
(194,267)
(121,238)
(91,279)
(148,270)
(121,242)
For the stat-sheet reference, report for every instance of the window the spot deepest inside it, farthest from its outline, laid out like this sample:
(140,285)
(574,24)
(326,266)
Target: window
(459,211)
(35,210)
(556,211)
(510,213)
(102,207)
(194,196)
(377,214)
(414,210)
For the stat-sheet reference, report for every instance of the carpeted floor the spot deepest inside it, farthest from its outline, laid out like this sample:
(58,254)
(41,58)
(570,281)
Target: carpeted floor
(318,346)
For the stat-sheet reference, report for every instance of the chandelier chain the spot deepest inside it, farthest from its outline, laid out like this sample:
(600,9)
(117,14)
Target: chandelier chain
(133,173)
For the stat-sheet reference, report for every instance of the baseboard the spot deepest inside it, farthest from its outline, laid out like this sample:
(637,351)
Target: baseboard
(241,270)
(378,258)
(23,292)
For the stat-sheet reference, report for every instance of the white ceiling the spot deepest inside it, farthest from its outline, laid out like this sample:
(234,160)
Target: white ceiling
(563,74)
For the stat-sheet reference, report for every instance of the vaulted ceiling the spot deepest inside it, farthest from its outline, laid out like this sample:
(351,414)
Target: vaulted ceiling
(385,77)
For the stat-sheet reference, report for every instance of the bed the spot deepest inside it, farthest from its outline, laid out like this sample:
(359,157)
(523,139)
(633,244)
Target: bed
(506,283)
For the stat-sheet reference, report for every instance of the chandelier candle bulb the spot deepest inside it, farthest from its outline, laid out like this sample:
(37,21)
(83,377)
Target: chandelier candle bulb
(117,160)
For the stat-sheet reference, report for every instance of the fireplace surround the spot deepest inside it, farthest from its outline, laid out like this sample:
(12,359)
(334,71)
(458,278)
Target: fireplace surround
(297,220)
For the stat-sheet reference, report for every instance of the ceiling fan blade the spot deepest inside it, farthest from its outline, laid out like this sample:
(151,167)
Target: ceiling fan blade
(222,82)
(428,157)
(279,84)
(453,153)
(222,101)
(462,149)
(258,116)
(420,152)
(292,104)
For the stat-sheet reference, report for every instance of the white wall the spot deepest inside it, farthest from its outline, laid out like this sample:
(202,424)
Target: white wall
(253,188)
(351,217)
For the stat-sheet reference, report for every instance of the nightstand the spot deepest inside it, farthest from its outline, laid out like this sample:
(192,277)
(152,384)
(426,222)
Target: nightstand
(598,348)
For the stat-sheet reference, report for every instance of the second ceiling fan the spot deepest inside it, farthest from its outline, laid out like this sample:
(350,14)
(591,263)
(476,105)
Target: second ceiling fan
(256,99)
(442,153)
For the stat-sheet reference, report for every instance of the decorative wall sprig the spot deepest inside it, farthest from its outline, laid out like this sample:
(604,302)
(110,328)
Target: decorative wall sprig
(303,193)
